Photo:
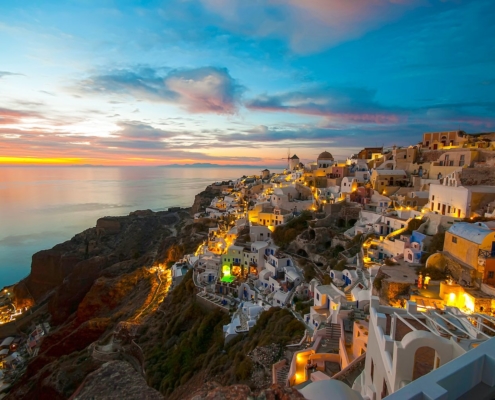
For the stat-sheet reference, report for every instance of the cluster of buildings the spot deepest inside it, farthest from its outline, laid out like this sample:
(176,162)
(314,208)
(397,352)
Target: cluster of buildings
(15,352)
(395,203)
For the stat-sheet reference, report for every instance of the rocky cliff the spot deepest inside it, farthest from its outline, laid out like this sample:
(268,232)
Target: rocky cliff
(65,273)
(100,278)
(242,392)
(203,199)
(117,330)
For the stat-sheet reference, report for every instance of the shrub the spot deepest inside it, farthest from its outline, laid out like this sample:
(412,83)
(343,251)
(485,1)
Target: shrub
(340,266)
(284,234)
(413,225)
(355,240)
(309,272)
(334,252)
(243,369)
(377,283)
(436,243)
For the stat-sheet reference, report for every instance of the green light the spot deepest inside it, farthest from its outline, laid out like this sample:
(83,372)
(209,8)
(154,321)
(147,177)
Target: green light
(226,270)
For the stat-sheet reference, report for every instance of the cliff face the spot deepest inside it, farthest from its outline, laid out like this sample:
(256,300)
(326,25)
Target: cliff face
(241,392)
(91,283)
(117,380)
(67,272)
(203,199)
(104,292)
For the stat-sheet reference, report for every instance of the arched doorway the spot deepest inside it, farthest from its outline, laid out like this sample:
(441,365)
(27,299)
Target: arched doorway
(424,361)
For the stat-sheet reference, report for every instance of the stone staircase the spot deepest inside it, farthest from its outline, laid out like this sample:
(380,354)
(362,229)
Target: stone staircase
(362,277)
(282,375)
(243,321)
(214,299)
(332,334)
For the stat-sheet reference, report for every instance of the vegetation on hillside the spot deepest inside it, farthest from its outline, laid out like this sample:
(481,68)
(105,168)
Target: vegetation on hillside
(413,225)
(187,339)
(436,244)
(284,234)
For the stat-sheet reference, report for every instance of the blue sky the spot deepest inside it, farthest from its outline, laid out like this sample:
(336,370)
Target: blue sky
(235,81)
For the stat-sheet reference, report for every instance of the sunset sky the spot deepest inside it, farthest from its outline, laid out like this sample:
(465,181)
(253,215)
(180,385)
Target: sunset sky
(238,81)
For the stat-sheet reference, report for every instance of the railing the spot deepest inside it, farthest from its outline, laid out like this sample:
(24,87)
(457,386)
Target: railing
(486,253)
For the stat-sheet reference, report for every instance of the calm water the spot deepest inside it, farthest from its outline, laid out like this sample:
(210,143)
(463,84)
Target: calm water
(40,207)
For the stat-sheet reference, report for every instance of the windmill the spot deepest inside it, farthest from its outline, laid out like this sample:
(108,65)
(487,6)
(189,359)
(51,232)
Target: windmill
(288,159)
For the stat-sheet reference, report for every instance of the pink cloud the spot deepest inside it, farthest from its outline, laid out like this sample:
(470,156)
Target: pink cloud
(8,116)
(310,25)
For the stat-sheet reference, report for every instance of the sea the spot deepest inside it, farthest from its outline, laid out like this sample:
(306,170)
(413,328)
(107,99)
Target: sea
(43,206)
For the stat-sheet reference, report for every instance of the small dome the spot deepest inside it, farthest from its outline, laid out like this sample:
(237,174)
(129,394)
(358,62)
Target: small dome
(325,156)
(326,389)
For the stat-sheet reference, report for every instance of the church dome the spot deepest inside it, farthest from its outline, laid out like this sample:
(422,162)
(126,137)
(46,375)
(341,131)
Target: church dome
(325,156)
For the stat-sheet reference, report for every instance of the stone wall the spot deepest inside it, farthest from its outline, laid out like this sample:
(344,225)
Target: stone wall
(459,272)
(482,305)
(332,209)
(478,176)
(350,213)
(431,155)
(487,158)
(391,290)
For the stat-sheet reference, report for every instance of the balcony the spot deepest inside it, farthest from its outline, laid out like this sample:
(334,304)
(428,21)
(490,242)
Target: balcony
(486,254)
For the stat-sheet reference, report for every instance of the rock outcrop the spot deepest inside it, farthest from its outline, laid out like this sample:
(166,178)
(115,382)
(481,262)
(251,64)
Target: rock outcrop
(115,380)
(242,392)
(91,283)
(66,272)
(203,199)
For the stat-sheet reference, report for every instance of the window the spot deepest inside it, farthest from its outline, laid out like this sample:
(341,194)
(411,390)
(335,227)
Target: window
(432,197)
(317,296)
(448,210)
(451,163)
(490,275)
(438,206)
(454,239)
(372,370)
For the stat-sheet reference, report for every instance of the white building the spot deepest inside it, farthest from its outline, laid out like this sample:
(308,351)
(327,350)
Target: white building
(405,344)
(348,185)
(243,319)
(452,199)
(469,376)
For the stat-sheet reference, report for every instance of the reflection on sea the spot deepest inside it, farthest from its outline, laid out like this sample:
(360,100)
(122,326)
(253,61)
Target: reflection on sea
(43,206)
